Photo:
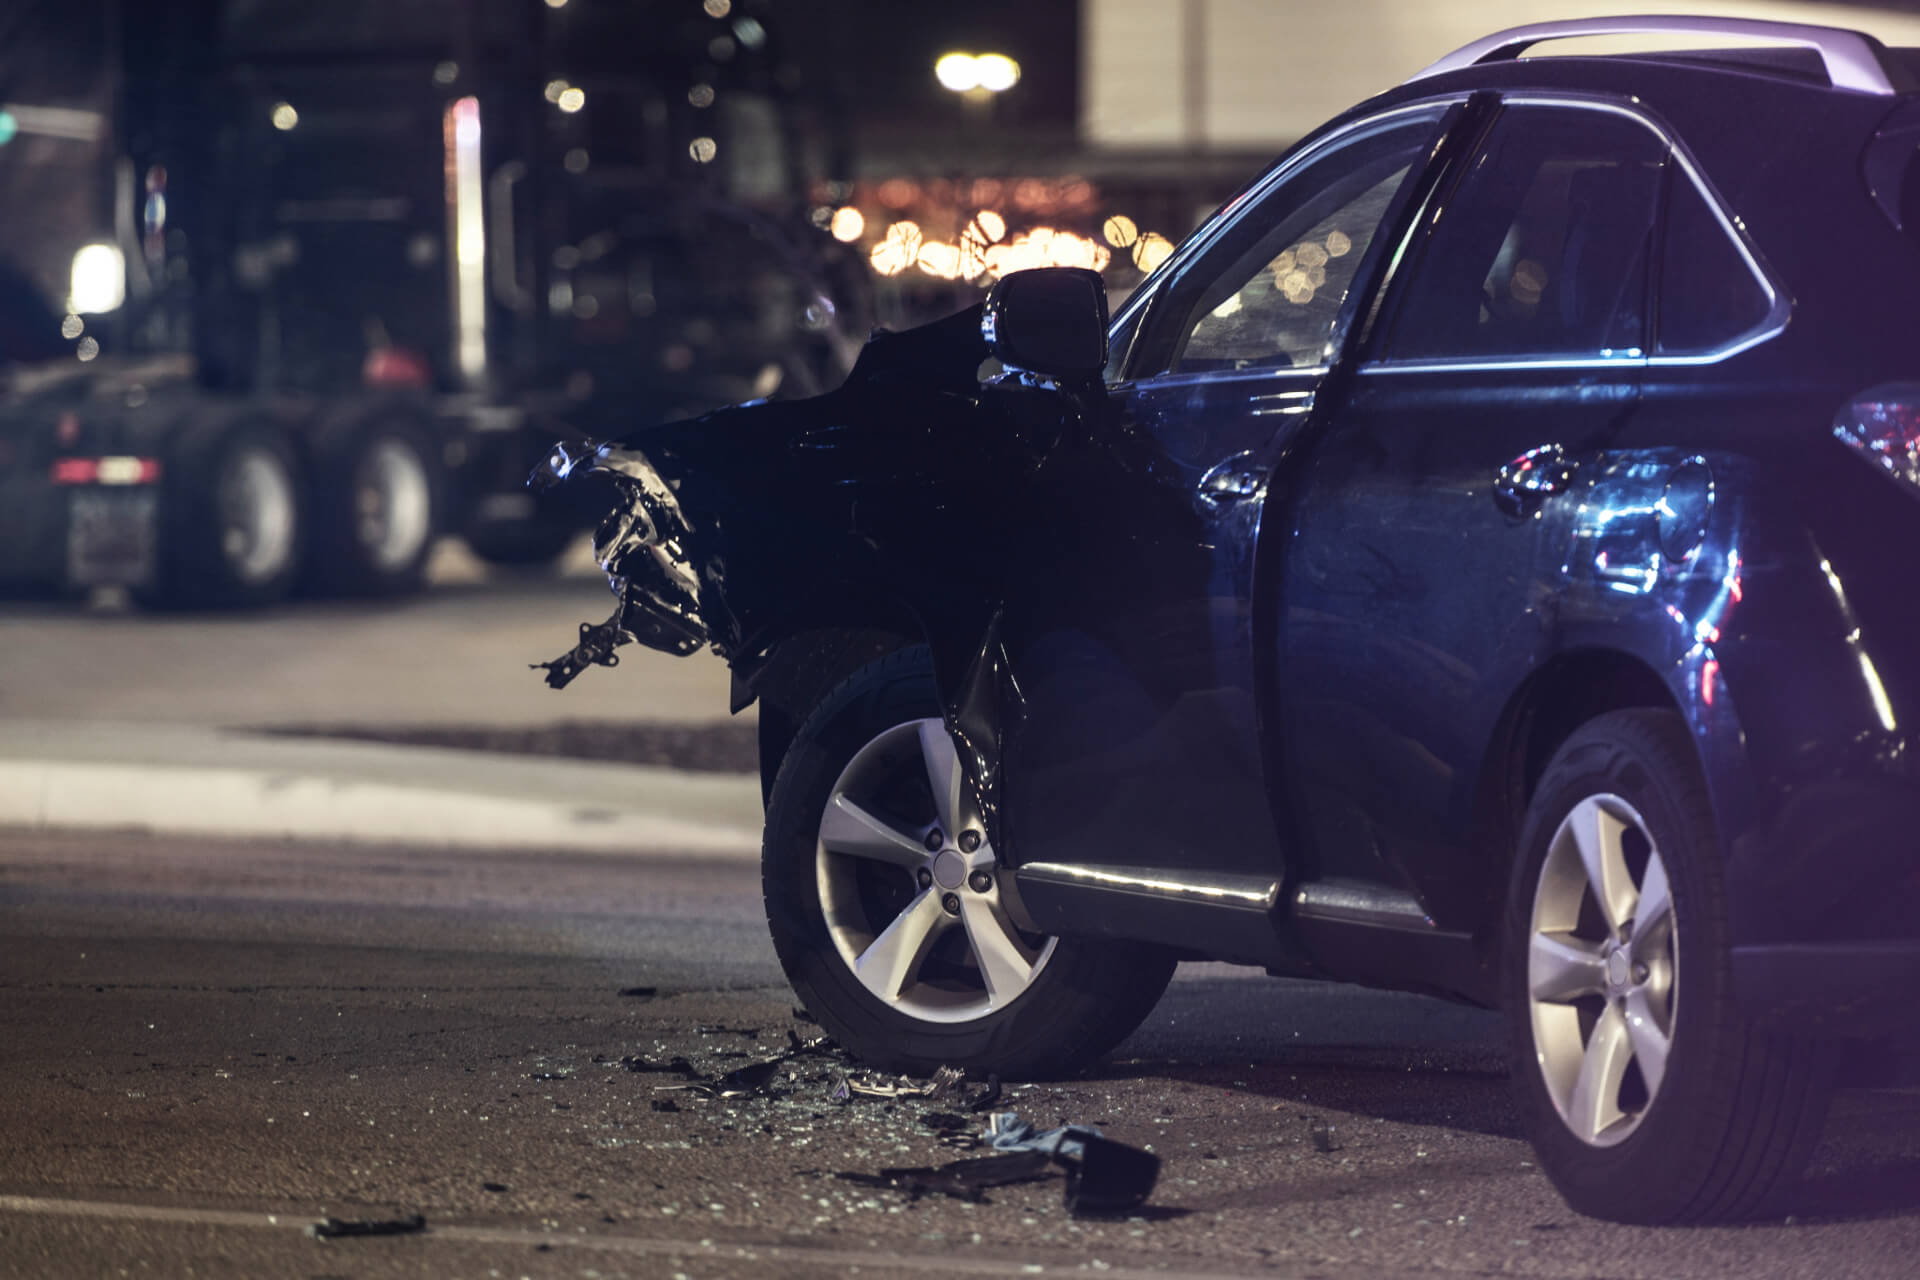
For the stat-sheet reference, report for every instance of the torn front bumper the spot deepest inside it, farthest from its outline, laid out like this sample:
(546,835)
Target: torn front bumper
(644,547)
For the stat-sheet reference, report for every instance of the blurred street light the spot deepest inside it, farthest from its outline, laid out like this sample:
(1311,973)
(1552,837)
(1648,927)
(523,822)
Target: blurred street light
(977,75)
(998,72)
(847,225)
(99,280)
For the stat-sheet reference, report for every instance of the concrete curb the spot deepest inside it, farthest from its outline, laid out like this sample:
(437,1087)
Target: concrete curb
(184,780)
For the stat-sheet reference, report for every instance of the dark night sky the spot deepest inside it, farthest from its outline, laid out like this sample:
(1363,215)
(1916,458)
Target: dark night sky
(880,53)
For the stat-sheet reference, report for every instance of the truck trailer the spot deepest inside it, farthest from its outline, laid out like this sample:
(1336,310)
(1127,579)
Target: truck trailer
(290,291)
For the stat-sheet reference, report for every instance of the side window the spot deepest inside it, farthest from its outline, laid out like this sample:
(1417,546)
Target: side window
(1542,250)
(1709,295)
(1269,292)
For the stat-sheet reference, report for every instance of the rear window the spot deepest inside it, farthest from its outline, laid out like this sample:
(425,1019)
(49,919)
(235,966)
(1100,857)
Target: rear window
(1709,295)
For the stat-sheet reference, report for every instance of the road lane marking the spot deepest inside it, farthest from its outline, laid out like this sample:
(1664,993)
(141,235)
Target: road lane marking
(891,1261)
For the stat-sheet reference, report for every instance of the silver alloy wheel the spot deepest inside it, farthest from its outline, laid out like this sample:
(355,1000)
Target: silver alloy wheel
(392,504)
(1602,970)
(918,911)
(258,515)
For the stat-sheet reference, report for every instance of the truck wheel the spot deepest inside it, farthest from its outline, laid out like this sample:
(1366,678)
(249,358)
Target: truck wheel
(903,935)
(1647,1094)
(234,524)
(378,509)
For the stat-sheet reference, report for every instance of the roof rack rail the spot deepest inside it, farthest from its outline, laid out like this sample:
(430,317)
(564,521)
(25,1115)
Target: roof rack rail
(1852,60)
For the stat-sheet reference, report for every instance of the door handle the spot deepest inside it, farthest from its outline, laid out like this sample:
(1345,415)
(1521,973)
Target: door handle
(1530,479)
(1238,478)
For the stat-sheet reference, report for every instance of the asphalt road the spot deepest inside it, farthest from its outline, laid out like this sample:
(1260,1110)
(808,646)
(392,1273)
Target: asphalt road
(204,1048)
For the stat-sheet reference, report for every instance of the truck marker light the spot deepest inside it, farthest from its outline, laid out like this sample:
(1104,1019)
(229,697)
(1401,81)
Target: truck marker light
(116,469)
(126,470)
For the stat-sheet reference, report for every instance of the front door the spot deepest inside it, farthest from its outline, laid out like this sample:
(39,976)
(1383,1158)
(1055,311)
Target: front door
(1134,740)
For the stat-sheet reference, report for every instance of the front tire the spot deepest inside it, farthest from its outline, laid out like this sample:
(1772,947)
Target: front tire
(893,918)
(1647,1094)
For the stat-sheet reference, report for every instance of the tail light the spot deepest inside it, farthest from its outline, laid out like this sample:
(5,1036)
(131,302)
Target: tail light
(1884,426)
(109,470)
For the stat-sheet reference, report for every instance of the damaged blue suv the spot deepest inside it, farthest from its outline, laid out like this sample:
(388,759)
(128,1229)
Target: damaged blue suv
(1474,563)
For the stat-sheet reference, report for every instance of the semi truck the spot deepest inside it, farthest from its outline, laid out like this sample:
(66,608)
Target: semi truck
(290,291)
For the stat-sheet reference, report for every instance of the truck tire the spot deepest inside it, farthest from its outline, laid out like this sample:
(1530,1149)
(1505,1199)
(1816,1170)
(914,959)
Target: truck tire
(233,522)
(1647,1094)
(377,499)
(906,939)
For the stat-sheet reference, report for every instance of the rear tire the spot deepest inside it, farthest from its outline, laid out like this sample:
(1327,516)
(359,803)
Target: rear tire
(233,522)
(1647,1094)
(906,938)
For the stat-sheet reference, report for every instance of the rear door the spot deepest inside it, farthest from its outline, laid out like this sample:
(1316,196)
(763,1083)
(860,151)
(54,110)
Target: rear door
(1135,744)
(1423,572)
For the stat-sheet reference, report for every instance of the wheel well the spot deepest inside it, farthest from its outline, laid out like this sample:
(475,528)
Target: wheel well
(801,669)
(1568,691)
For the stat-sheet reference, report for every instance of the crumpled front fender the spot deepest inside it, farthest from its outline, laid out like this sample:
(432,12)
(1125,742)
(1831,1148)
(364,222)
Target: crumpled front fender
(724,525)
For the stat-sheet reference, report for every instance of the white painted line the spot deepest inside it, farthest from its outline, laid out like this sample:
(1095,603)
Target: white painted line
(883,1261)
(219,801)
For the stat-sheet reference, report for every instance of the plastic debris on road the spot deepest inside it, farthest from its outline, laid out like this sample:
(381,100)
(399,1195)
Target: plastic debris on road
(962,1179)
(1006,1131)
(948,1084)
(1103,1176)
(756,1079)
(347,1228)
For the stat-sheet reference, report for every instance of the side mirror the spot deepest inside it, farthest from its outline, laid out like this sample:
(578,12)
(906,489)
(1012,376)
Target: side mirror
(1049,320)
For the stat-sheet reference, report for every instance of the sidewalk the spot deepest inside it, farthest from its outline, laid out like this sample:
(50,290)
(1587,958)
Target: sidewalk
(197,780)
